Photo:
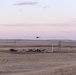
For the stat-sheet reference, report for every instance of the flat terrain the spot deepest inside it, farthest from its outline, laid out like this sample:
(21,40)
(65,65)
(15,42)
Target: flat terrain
(48,45)
(38,64)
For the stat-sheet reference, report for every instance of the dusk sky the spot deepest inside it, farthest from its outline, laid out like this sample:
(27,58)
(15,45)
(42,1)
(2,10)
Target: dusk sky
(48,19)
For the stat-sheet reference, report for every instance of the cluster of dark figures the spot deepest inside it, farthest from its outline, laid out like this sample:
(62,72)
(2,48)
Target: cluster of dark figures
(36,50)
(29,50)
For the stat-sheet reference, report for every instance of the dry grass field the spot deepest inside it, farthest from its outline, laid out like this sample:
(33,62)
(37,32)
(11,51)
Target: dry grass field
(58,45)
(38,64)
(61,62)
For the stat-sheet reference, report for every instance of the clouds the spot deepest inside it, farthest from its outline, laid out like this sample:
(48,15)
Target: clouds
(20,31)
(25,3)
(43,5)
(68,32)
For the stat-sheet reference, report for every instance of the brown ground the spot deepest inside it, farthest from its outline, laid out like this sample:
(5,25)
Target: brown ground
(38,64)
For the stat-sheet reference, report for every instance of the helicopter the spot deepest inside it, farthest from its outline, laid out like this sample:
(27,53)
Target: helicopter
(37,37)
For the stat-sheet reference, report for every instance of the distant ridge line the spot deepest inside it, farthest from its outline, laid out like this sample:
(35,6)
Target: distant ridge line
(27,40)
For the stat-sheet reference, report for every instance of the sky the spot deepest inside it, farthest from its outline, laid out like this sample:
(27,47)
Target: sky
(48,19)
